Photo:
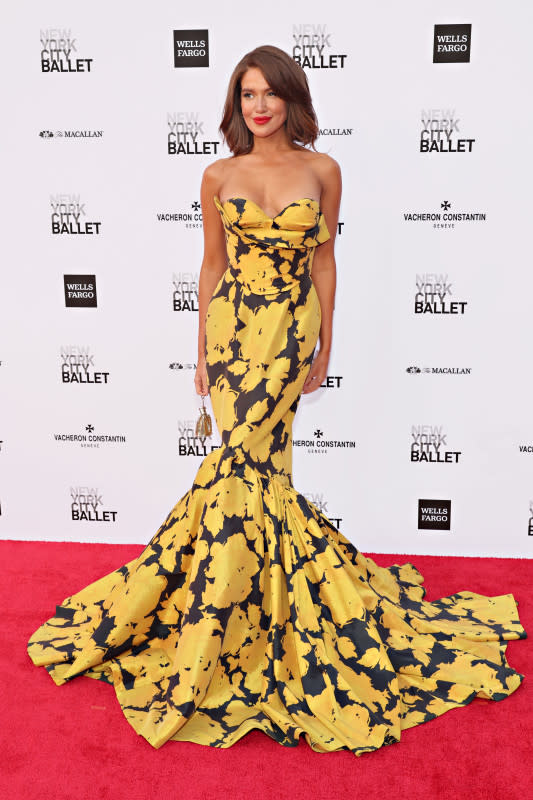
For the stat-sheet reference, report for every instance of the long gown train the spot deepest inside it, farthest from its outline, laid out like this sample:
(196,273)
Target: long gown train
(248,609)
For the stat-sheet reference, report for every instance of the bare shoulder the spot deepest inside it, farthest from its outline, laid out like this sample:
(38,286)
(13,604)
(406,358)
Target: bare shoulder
(216,171)
(326,168)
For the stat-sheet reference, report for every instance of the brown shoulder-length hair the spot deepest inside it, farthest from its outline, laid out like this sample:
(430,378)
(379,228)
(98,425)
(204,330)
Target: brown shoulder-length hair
(288,80)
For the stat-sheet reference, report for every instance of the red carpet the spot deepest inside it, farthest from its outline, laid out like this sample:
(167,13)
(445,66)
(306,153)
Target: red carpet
(73,742)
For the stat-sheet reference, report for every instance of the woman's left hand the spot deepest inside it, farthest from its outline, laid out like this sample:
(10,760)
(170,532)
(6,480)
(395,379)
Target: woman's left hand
(317,373)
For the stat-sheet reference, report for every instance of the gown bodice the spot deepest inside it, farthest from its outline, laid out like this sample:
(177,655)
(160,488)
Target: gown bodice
(269,255)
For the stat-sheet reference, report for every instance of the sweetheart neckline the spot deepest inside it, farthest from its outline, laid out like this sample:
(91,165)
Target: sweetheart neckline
(279,214)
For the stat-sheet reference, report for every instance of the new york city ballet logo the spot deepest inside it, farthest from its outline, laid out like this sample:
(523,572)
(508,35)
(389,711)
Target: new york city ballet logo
(90,437)
(441,132)
(429,444)
(312,48)
(530,521)
(434,515)
(320,444)
(332,382)
(318,499)
(87,505)
(186,135)
(434,295)
(452,43)
(191,218)
(191,48)
(189,444)
(444,370)
(78,366)
(80,291)
(69,216)
(185,291)
(59,52)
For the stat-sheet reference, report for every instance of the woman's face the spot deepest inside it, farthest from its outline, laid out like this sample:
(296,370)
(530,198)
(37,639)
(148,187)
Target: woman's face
(263,111)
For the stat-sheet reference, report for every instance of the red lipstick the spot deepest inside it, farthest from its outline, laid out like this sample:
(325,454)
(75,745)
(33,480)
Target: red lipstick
(261,120)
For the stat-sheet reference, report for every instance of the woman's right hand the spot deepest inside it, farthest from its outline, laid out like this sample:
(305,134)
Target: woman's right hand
(200,378)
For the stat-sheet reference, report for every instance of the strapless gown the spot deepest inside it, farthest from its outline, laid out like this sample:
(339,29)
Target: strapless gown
(248,609)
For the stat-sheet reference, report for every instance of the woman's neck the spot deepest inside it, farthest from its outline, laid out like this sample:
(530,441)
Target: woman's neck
(271,146)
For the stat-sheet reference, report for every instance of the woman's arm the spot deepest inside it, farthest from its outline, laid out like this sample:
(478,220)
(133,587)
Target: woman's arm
(214,264)
(324,270)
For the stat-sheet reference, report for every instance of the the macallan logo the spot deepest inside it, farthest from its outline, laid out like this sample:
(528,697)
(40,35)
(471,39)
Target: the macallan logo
(415,370)
(179,365)
(336,131)
(71,134)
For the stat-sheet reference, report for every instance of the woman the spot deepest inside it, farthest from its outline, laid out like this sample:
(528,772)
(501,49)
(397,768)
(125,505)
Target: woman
(248,609)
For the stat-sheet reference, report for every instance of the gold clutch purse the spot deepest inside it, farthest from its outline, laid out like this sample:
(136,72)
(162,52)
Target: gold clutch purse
(204,426)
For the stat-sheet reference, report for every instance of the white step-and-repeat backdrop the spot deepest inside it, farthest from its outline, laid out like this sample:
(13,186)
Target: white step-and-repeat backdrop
(421,440)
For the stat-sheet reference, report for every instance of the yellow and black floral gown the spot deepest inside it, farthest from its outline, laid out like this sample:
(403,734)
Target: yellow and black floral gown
(248,609)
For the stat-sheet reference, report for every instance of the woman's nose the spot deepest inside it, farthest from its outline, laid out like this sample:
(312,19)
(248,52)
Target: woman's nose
(260,102)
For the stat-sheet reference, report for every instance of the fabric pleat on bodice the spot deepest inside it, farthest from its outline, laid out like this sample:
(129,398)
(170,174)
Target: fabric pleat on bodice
(269,255)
